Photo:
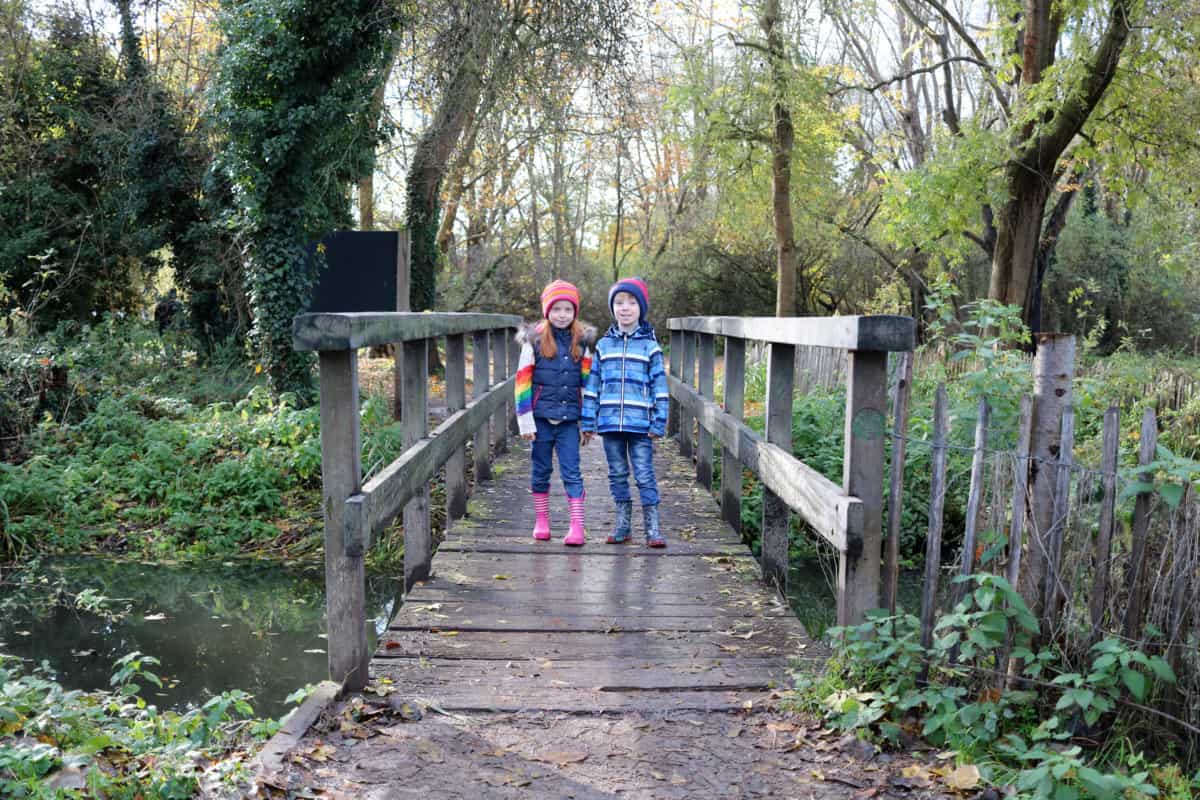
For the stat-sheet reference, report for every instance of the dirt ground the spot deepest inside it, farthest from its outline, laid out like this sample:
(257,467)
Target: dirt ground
(377,748)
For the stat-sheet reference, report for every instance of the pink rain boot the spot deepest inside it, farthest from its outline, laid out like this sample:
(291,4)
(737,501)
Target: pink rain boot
(574,536)
(541,505)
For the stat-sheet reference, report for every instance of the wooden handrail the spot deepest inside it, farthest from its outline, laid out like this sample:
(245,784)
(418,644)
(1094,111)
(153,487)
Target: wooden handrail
(355,512)
(383,497)
(882,333)
(317,332)
(822,503)
(849,516)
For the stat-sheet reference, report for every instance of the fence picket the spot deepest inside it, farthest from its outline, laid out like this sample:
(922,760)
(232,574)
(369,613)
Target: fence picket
(1139,529)
(933,542)
(1103,555)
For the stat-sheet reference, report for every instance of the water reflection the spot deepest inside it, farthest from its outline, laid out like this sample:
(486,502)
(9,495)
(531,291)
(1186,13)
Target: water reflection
(812,593)
(256,628)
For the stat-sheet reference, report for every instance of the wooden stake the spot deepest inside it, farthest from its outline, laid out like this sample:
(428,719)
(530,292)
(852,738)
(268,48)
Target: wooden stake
(933,542)
(974,495)
(896,490)
(1140,528)
(1103,555)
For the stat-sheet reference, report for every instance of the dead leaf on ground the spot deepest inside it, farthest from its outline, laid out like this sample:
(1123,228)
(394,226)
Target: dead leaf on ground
(964,778)
(562,758)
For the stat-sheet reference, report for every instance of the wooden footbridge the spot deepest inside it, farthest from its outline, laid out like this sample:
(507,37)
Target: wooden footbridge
(500,624)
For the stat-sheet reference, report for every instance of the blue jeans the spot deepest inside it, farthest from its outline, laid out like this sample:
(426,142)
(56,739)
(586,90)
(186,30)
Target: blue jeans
(622,450)
(563,437)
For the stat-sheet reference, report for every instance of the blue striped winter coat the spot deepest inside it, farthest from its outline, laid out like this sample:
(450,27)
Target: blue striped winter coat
(627,388)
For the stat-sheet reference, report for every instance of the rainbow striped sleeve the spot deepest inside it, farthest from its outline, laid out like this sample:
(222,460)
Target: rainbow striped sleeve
(524,391)
(585,366)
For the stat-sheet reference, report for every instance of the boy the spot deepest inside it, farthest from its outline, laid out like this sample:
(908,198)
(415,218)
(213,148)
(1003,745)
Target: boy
(625,400)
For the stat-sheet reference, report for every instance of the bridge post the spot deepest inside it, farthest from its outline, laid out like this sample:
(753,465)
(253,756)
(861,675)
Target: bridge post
(499,373)
(735,394)
(676,364)
(704,466)
(862,477)
(456,400)
(479,377)
(686,420)
(418,541)
(341,476)
(781,376)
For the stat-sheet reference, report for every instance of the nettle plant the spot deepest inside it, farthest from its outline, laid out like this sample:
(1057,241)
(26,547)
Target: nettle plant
(974,703)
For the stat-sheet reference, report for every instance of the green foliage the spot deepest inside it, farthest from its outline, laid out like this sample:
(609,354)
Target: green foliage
(1169,475)
(116,742)
(292,98)
(134,466)
(99,181)
(1019,737)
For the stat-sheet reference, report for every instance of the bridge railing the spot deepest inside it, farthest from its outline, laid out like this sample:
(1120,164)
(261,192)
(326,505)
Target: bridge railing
(848,516)
(355,512)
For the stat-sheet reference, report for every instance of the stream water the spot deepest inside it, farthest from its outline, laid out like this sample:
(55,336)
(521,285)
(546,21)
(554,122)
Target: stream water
(257,628)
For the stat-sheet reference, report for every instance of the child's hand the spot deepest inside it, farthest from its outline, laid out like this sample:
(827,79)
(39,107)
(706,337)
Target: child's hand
(654,437)
(585,437)
(529,437)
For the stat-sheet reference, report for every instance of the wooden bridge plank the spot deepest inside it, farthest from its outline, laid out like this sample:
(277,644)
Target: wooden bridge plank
(610,675)
(559,646)
(573,700)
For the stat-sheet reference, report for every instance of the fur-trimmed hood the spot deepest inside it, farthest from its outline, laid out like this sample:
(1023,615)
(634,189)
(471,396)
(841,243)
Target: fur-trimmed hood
(527,332)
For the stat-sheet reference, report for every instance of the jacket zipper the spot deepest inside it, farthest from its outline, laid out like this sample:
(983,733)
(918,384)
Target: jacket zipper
(624,353)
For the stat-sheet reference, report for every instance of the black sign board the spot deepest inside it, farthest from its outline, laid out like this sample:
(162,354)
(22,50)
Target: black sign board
(359,273)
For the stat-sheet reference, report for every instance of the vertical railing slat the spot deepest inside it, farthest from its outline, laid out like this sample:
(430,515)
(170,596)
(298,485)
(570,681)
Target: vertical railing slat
(704,463)
(688,373)
(480,357)
(418,542)
(499,373)
(776,520)
(735,406)
(676,364)
(456,400)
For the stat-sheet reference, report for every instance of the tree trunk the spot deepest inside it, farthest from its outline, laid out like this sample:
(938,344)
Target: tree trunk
(781,164)
(429,164)
(366,184)
(1018,230)
(1038,148)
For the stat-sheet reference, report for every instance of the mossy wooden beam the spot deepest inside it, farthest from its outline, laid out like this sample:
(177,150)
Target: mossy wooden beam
(325,332)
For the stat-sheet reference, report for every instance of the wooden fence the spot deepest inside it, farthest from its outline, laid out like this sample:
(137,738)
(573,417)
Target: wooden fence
(1083,567)
(355,512)
(848,516)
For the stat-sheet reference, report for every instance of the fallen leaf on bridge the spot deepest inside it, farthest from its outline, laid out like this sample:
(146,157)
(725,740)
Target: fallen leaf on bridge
(562,758)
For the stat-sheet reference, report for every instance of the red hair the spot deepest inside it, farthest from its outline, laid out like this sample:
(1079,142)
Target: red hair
(550,348)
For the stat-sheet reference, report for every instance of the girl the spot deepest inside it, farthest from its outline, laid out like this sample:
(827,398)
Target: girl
(626,400)
(555,361)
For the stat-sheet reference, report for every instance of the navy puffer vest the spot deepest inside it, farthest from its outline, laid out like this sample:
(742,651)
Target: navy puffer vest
(557,382)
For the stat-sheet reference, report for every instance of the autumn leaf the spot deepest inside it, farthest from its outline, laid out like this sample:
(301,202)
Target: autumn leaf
(964,778)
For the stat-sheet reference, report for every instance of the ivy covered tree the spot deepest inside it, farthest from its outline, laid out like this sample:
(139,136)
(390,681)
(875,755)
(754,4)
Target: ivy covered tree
(293,97)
